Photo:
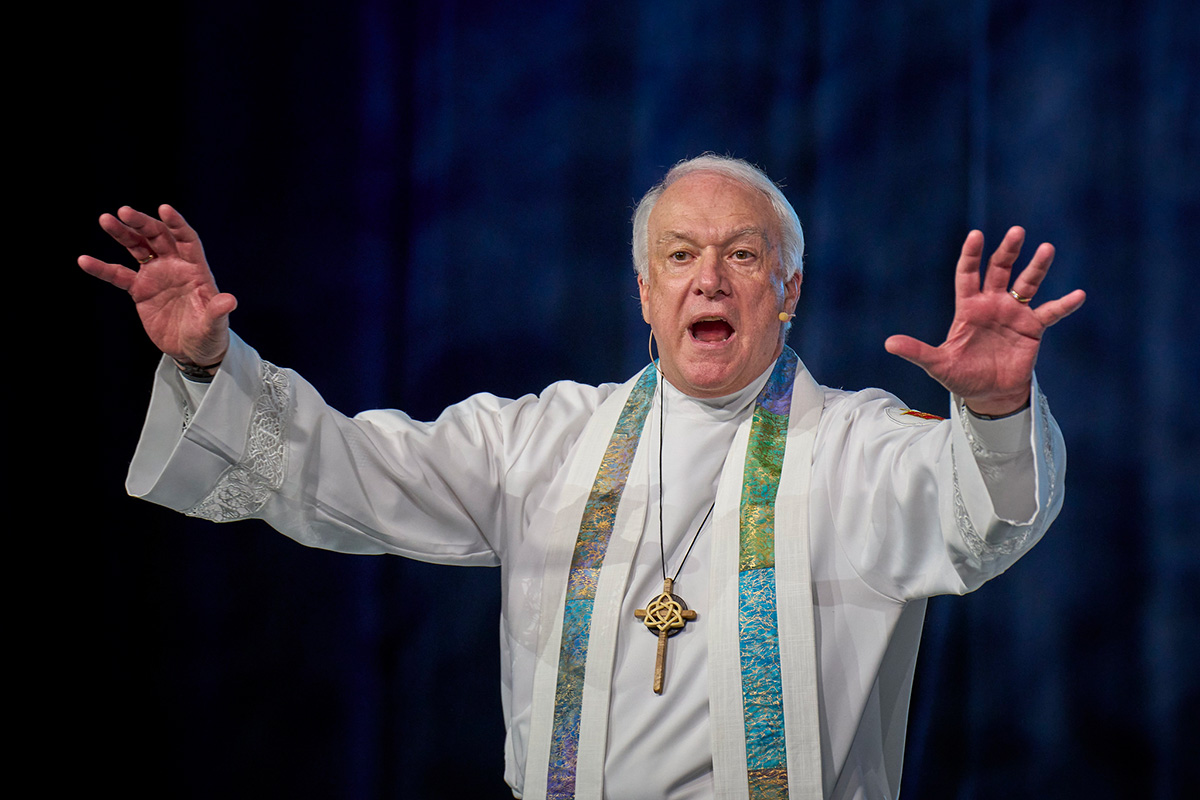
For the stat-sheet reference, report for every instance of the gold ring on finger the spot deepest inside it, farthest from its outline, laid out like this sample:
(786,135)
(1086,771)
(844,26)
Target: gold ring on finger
(1022,299)
(153,256)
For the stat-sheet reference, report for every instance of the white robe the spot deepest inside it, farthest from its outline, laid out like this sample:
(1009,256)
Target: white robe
(899,510)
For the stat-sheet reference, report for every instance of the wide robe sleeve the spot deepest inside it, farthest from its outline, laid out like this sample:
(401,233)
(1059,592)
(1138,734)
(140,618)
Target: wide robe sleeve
(264,444)
(923,507)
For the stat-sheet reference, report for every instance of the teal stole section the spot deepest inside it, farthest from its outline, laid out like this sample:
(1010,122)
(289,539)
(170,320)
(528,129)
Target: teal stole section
(758,621)
(595,530)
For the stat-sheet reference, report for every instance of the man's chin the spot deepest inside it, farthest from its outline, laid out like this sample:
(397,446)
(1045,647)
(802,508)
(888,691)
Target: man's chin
(718,371)
(708,379)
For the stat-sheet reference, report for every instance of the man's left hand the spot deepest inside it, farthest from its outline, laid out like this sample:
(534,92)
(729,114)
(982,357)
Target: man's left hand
(989,354)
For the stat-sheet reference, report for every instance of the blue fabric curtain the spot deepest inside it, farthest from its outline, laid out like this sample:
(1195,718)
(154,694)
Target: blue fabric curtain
(414,202)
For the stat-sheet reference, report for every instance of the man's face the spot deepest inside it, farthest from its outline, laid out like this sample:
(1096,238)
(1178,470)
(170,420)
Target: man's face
(714,288)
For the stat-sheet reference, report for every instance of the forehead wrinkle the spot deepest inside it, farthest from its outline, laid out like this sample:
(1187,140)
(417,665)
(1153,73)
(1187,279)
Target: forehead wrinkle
(679,236)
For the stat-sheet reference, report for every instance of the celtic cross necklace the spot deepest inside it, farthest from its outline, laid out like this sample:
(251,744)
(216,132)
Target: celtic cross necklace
(667,614)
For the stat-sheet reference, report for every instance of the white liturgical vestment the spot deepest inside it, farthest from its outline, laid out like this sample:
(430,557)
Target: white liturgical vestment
(900,507)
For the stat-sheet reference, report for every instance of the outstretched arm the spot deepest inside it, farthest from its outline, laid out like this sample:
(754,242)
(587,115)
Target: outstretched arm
(176,297)
(990,351)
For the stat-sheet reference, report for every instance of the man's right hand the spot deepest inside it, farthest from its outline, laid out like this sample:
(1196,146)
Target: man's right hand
(181,309)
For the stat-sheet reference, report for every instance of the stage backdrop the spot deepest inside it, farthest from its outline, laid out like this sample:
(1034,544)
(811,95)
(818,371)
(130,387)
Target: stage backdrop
(418,201)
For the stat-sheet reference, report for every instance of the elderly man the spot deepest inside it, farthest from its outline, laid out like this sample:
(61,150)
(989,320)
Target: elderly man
(805,526)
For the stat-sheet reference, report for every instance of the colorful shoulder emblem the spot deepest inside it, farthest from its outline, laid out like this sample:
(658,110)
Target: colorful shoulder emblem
(908,416)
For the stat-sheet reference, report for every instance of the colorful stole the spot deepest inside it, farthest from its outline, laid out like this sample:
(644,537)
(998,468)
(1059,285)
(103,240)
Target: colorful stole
(758,621)
(748,673)
(590,548)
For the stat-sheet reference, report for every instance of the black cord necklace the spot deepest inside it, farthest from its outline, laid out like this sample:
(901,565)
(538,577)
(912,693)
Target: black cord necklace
(667,614)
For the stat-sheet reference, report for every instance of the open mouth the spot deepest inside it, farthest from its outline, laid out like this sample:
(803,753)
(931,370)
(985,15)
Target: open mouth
(711,329)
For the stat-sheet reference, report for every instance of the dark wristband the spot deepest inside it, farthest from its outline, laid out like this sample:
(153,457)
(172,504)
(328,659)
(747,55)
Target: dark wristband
(196,372)
(977,415)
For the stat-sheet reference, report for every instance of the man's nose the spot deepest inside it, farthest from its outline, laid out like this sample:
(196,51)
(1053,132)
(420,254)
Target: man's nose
(711,273)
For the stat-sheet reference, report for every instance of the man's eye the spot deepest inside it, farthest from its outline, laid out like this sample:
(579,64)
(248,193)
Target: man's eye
(679,255)
(742,255)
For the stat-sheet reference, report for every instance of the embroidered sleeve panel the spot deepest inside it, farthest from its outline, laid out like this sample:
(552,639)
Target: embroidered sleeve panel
(978,449)
(1017,537)
(245,487)
(1016,540)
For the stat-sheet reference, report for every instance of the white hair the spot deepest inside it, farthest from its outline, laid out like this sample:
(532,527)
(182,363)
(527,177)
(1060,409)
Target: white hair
(791,244)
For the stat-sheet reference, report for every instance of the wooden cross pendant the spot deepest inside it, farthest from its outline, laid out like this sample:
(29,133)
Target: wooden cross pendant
(664,616)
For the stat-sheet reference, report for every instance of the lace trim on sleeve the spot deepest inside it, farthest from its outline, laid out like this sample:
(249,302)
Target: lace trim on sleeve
(1019,536)
(245,487)
(976,446)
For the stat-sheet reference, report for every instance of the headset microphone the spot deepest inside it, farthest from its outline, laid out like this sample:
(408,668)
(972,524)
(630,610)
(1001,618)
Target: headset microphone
(786,317)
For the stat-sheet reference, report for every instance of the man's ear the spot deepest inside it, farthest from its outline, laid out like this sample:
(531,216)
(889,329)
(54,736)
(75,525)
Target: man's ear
(644,291)
(791,292)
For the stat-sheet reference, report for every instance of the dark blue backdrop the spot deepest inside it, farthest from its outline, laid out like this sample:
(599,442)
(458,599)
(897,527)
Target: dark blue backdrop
(418,201)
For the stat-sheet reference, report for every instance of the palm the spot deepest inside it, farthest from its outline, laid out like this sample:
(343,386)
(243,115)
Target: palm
(171,300)
(174,291)
(990,351)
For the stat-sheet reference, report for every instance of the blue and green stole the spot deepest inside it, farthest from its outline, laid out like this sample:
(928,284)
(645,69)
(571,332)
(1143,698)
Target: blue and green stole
(765,731)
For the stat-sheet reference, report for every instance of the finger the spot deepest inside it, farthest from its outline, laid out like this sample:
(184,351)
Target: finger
(221,305)
(177,224)
(125,236)
(1052,311)
(966,273)
(158,237)
(910,349)
(117,275)
(1031,277)
(129,238)
(184,235)
(999,267)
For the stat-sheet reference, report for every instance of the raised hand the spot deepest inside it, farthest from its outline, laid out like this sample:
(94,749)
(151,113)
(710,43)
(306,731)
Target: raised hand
(173,288)
(990,351)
